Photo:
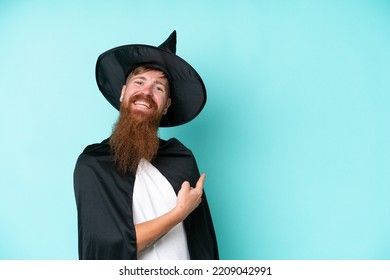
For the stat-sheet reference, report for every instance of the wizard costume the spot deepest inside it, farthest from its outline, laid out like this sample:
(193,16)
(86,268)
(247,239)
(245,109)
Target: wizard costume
(104,196)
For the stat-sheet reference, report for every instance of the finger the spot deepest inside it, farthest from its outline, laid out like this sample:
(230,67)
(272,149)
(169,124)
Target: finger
(185,184)
(200,182)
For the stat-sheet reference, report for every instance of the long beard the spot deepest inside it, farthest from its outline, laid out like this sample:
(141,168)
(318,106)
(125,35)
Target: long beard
(134,137)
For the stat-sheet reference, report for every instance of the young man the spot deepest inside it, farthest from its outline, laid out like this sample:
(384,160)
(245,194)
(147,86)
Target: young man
(140,197)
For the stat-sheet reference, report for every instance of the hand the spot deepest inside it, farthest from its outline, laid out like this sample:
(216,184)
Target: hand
(189,198)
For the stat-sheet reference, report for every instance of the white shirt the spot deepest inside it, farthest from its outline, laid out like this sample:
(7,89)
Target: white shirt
(154,196)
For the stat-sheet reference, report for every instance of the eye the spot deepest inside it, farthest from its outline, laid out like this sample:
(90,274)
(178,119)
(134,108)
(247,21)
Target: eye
(159,88)
(138,82)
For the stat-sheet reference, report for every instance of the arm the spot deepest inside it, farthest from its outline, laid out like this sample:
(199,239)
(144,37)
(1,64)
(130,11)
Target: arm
(188,199)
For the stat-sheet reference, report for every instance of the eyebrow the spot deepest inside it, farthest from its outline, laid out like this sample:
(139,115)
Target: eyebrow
(144,79)
(160,83)
(138,77)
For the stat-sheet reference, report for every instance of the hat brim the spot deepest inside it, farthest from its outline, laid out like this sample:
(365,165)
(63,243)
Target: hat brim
(187,89)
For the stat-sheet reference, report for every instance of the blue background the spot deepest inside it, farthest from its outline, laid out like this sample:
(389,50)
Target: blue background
(294,137)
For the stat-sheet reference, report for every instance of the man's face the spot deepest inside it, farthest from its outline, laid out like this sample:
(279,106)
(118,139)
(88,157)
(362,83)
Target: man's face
(146,94)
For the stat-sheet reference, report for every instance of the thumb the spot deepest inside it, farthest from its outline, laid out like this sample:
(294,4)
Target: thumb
(186,184)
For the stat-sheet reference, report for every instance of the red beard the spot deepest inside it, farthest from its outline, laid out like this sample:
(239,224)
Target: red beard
(135,136)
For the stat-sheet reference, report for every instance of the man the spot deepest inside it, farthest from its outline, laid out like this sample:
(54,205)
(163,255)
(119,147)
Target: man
(138,196)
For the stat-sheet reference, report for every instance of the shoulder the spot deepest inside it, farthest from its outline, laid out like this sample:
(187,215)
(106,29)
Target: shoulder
(175,151)
(94,153)
(173,144)
(93,164)
(177,163)
(96,149)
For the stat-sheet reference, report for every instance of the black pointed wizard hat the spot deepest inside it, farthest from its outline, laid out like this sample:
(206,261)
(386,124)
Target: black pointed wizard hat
(187,89)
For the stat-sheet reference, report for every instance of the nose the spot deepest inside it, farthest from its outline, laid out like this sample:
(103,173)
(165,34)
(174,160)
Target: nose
(147,90)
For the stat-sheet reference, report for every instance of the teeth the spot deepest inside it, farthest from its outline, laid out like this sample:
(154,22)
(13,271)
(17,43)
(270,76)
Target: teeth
(142,104)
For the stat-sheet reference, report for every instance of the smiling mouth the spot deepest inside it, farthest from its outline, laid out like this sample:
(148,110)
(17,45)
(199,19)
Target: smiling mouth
(142,104)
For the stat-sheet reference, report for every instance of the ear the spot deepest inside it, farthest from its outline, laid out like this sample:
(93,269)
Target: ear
(167,104)
(122,93)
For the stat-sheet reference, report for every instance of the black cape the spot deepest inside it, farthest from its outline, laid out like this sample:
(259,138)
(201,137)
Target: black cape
(104,203)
